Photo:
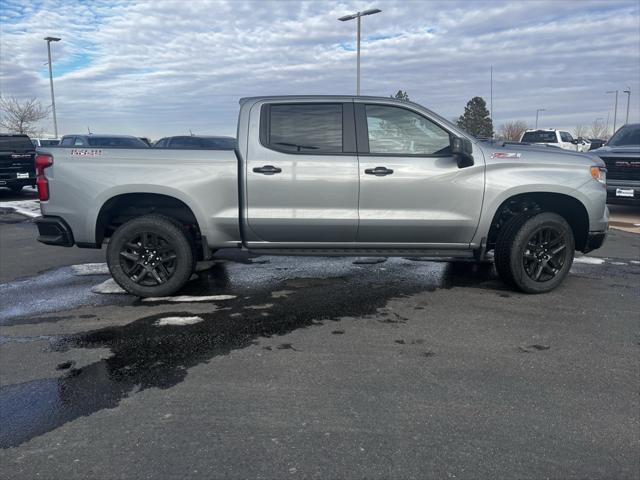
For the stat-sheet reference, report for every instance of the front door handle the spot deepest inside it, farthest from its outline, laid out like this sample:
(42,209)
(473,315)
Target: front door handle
(267,170)
(378,171)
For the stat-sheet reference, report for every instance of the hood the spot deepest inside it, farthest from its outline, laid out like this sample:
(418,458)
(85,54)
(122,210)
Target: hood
(627,149)
(500,151)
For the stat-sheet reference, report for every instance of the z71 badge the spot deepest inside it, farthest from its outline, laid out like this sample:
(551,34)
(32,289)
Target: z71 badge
(505,155)
(85,152)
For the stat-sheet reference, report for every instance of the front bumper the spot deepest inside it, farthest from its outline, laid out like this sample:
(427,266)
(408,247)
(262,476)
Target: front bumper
(54,231)
(618,191)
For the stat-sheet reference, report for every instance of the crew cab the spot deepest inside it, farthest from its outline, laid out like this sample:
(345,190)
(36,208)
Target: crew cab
(622,157)
(17,155)
(556,138)
(327,175)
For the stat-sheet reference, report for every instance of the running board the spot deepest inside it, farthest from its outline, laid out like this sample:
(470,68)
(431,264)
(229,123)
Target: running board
(365,252)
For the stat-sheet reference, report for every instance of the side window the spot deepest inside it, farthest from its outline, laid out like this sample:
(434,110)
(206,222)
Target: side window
(67,141)
(309,128)
(79,141)
(397,131)
(160,143)
(566,137)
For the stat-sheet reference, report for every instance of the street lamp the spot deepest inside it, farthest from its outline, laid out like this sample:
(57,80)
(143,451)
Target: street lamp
(628,92)
(53,100)
(615,111)
(358,16)
(537,112)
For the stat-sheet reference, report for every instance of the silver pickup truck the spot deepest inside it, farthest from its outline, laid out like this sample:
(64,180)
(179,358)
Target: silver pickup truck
(327,175)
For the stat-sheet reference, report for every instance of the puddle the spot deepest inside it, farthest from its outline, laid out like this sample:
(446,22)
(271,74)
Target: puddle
(156,351)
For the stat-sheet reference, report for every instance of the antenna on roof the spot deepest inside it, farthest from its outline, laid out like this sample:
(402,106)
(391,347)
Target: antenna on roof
(190,132)
(88,130)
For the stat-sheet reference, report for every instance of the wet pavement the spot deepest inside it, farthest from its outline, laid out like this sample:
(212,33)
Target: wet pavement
(325,368)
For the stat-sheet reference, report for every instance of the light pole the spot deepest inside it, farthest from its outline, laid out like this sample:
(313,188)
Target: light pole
(358,16)
(628,92)
(53,99)
(537,112)
(615,110)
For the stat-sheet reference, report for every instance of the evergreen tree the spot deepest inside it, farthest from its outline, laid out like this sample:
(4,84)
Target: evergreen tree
(476,119)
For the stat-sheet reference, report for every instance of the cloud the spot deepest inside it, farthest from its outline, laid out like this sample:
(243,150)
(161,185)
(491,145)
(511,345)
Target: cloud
(164,67)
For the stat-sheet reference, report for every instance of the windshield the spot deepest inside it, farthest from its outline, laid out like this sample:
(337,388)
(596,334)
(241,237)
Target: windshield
(540,136)
(627,135)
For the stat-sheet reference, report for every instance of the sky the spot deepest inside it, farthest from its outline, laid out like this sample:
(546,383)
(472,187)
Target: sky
(164,67)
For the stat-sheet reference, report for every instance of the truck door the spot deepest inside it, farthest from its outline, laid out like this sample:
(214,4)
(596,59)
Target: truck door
(411,188)
(302,174)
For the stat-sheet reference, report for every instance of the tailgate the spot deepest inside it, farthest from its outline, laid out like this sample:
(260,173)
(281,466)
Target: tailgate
(16,164)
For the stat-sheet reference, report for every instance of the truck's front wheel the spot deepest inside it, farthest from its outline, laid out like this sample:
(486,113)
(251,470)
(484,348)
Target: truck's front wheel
(535,252)
(150,256)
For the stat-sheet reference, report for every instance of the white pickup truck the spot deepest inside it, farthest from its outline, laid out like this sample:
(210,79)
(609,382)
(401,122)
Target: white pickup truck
(326,175)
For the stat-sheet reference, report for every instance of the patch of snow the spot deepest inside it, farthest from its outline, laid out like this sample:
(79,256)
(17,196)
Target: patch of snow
(635,262)
(589,260)
(281,293)
(90,269)
(177,321)
(108,286)
(260,307)
(618,263)
(190,298)
(28,208)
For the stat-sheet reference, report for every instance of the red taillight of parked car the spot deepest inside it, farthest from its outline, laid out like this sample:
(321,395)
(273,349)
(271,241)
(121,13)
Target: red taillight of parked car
(42,162)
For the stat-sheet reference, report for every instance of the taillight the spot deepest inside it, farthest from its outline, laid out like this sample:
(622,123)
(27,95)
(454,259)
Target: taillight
(43,161)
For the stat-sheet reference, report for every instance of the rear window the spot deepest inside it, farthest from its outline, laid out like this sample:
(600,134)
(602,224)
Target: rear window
(540,137)
(627,135)
(15,143)
(116,142)
(49,143)
(306,128)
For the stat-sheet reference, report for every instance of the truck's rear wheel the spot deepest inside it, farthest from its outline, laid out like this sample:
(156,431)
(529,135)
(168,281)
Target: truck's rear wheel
(150,256)
(535,252)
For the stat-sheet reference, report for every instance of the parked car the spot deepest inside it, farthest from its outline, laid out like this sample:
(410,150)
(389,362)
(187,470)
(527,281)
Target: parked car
(622,157)
(17,167)
(595,143)
(95,140)
(45,142)
(197,142)
(334,175)
(551,136)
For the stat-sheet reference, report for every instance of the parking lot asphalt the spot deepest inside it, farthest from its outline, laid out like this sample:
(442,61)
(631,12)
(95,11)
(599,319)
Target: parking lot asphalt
(318,368)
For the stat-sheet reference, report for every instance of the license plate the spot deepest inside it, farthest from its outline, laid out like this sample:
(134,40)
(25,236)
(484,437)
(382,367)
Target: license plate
(624,192)
(22,175)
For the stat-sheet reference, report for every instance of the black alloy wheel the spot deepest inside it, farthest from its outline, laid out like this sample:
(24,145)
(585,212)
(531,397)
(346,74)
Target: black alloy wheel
(544,255)
(148,259)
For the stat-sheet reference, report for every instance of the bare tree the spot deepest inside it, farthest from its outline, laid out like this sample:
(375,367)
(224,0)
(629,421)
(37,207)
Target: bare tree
(513,130)
(21,117)
(580,131)
(598,130)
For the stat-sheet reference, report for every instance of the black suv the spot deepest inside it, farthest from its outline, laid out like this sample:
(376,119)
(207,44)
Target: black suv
(17,161)
(622,156)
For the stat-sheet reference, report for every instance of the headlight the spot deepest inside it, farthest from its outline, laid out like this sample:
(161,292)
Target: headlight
(599,174)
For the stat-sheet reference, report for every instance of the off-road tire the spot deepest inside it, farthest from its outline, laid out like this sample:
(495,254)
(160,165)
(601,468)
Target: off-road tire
(515,255)
(169,236)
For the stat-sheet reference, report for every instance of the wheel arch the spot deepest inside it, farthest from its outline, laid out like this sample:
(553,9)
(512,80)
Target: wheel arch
(122,207)
(567,206)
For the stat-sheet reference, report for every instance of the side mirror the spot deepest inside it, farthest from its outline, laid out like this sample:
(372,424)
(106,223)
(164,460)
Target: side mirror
(463,149)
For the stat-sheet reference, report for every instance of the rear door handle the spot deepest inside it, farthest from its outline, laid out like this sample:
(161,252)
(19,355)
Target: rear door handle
(378,171)
(267,170)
